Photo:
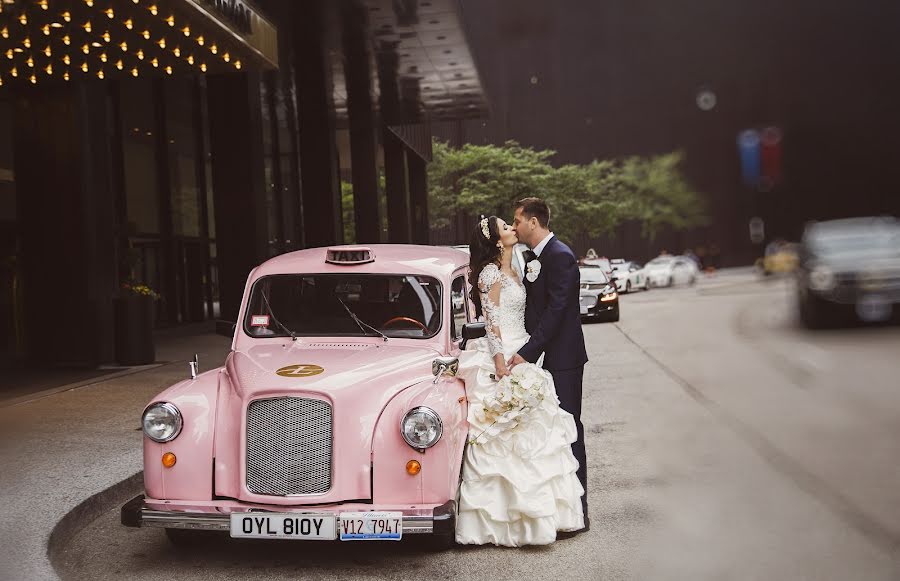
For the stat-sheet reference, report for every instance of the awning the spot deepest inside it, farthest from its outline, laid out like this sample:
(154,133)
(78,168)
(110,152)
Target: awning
(68,40)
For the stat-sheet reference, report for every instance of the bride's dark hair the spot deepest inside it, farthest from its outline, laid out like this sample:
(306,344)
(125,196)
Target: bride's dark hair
(483,251)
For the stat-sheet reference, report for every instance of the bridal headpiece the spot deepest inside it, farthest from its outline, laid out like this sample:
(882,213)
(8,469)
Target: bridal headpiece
(485,229)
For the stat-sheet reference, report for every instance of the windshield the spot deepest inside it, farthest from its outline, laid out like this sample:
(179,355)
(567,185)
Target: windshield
(661,261)
(869,239)
(310,305)
(593,275)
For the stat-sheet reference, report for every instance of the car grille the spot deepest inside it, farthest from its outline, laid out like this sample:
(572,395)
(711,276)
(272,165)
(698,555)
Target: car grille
(588,300)
(289,446)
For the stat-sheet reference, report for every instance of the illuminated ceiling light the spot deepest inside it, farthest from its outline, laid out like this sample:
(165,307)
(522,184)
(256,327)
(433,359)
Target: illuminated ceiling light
(84,67)
(162,43)
(96,44)
(66,40)
(27,42)
(124,46)
(87,26)
(134,72)
(120,65)
(226,57)
(186,30)
(90,3)
(49,69)
(30,62)
(66,75)
(103,57)
(67,59)
(10,54)
(155,63)
(4,32)
(168,70)
(110,13)
(170,20)
(237,65)
(46,29)
(17,49)
(33,79)
(140,54)
(146,35)
(154,10)
(136,1)
(100,74)
(67,16)
(48,52)
(190,59)
(176,51)
(1,81)
(14,72)
(129,24)
(23,19)
(43,4)
(55,25)
(86,49)
(213,49)
(106,36)
(200,40)
(203,67)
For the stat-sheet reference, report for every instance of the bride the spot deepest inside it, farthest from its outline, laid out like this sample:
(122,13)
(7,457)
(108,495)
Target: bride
(519,485)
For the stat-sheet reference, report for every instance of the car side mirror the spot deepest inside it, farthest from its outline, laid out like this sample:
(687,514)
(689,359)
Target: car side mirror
(472,331)
(225,328)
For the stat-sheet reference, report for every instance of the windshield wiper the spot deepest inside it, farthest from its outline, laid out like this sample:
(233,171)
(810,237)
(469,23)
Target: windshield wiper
(360,323)
(274,318)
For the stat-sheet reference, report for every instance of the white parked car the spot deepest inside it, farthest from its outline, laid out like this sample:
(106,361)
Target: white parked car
(671,271)
(629,275)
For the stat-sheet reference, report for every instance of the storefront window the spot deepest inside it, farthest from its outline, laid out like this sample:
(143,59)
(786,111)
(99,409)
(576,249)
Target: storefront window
(182,148)
(138,149)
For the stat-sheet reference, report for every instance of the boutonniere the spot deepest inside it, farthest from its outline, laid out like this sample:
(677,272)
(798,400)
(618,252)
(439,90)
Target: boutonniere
(533,270)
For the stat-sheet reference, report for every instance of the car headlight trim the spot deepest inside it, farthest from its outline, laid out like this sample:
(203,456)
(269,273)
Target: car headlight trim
(421,428)
(162,422)
(821,278)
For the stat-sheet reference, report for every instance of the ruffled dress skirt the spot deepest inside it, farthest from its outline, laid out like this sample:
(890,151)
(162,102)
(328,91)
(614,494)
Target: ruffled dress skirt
(519,487)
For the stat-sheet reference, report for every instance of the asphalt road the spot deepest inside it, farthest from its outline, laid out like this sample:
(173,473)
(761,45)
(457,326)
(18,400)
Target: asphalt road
(723,442)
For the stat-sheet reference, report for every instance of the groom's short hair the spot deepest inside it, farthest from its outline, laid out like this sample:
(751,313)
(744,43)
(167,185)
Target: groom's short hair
(535,208)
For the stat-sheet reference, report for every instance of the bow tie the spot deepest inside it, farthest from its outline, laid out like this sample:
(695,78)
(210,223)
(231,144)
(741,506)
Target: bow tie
(529,255)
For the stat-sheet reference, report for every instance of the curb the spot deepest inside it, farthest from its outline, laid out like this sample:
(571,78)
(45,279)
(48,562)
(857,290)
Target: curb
(28,398)
(88,511)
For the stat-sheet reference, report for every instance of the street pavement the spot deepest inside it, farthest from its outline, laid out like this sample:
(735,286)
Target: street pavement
(723,443)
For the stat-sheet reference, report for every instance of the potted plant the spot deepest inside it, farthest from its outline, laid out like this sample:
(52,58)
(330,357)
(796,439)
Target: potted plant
(134,313)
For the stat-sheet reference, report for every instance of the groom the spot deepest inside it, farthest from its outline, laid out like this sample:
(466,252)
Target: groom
(553,316)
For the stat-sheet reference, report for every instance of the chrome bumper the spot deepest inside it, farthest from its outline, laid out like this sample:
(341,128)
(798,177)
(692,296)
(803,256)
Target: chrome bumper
(136,513)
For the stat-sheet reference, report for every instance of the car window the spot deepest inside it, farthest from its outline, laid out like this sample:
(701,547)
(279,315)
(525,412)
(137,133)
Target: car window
(458,315)
(310,305)
(593,275)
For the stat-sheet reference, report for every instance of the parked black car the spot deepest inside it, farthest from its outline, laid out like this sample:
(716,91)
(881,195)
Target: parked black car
(599,297)
(849,269)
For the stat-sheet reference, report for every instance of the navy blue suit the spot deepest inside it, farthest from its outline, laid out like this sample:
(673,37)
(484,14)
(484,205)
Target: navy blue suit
(553,319)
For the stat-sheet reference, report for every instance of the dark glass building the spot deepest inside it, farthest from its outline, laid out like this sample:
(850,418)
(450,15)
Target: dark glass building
(178,143)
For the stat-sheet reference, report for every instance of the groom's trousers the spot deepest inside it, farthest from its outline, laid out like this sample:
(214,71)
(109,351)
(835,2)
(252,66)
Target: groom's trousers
(568,389)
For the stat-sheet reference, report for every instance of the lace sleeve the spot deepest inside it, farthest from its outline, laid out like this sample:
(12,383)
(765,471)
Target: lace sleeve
(489,286)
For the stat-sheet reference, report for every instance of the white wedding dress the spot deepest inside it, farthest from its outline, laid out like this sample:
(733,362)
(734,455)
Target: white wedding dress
(518,487)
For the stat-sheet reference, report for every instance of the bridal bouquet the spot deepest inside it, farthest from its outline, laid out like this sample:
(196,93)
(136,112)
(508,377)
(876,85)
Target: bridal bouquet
(516,395)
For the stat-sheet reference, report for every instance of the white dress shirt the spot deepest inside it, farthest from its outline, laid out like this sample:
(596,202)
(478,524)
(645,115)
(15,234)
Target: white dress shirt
(543,244)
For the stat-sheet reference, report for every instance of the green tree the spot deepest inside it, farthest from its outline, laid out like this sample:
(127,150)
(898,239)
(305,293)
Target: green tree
(347,212)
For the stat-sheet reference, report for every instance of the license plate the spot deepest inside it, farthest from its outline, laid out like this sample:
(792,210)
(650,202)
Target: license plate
(283,526)
(371,526)
(873,309)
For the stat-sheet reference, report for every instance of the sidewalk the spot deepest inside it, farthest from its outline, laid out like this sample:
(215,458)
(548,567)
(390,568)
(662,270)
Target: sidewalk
(61,449)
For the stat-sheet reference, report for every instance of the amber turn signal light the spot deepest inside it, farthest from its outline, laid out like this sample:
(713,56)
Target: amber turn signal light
(168,459)
(413,467)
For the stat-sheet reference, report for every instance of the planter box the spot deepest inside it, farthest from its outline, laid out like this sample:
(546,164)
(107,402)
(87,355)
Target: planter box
(134,330)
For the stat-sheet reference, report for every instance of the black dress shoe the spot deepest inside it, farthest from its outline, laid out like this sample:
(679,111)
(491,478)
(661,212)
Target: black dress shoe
(570,534)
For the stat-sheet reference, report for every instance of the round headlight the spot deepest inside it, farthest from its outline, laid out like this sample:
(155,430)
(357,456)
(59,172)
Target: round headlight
(421,428)
(821,279)
(162,422)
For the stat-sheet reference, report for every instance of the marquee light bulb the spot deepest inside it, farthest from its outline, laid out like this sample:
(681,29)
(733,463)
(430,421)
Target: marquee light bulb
(237,65)
(155,63)
(120,65)
(14,72)
(186,30)
(48,52)
(67,59)
(190,59)
(168,70)
(87,26)
(110,13)
(154,10)
(84,67)
(100,74)
(49,69)
(30,62)
(226,57)
(200,40)
(213,49)
(140,55)
(106,36)
(170,20)
(27,42)
(67,16)
(90,3)
(134,72)
(43,4)
(10,54)
(46,29)
(103,57)
(23,19)
(162,43)
(86,49)
(66,75)
(129,24)
(4,32)
(176,51)
(124,46)
(33,79)
(146,35)
(66,40)
(203,67)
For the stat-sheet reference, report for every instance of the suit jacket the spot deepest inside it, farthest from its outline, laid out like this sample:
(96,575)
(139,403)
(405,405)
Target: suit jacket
(552,310)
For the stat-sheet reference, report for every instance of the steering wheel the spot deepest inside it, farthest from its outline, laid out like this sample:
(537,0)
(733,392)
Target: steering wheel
(405,320)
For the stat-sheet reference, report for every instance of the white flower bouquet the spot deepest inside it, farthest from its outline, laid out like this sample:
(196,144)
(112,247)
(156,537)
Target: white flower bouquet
(516,395)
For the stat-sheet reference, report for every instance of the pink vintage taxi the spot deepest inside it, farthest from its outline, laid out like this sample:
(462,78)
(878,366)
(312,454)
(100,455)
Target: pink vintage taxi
(336,415)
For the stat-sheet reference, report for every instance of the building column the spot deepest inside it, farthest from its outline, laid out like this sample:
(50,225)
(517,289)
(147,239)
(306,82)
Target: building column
(394,148)
(358,78)
(238,181)
(418,195)
(67,213)
(319,169)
